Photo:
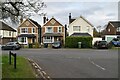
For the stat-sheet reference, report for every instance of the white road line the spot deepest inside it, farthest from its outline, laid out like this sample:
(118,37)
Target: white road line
(44,72)
(39,69)
(96,64)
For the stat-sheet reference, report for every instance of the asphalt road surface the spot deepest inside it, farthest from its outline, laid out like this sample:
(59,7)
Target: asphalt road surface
(74,63)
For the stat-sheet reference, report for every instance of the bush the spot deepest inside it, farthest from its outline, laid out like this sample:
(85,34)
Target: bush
(36,45)
(72,42)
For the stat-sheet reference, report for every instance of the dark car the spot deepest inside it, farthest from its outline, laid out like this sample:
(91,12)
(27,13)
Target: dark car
(101,44)
(11,46)
(115,42)
(56,44)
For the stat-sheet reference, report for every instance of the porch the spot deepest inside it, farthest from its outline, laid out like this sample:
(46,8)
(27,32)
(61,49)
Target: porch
(52,37)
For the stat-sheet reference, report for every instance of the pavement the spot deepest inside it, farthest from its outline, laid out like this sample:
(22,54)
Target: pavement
(74,63)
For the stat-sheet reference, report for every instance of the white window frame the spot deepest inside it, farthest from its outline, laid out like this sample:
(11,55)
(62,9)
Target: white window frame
(48,40)
(24,41)
(76,29)
(59,29)
(118,29)
(26,31)
(10,33)
(50,31)
(88,28)
(109,30)
(34,30)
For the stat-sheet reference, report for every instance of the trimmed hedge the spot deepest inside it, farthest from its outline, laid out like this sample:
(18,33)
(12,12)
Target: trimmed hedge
(72,42)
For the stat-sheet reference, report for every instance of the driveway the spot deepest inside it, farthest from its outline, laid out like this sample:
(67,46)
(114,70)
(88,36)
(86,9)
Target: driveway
(75,63)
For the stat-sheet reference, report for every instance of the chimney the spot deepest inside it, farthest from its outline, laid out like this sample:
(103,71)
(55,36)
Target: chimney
(44,19)
(47,19)
(69,18)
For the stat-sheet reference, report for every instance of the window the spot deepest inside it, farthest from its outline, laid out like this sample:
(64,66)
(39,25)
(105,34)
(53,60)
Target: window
(118,29)
(49,30)
(76,28)
(9,33)
(23,39)
(33,30)
(24,30)
(88,28)
(59,29)
(108,30)
(47,38)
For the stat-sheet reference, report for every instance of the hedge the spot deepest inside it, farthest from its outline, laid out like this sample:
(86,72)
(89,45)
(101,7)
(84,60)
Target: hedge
(72,42)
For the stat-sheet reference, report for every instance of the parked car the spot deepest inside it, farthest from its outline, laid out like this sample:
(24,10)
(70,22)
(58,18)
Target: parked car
(101,44)
(115,42)
(56,44)
(11,46)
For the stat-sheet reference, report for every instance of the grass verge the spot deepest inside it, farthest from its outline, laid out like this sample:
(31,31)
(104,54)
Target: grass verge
(24,68)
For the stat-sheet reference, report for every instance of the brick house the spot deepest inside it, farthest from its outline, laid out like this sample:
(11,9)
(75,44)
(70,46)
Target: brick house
(112,30)
(29,31)
(53,31)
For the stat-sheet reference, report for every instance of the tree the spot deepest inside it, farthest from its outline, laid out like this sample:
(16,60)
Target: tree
(95,33)
(20,8)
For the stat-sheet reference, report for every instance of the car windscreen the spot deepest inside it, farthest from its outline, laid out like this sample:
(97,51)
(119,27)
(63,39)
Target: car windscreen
(10,43)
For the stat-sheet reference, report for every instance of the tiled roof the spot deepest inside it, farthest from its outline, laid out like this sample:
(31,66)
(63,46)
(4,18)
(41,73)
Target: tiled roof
(27,35)
(81,34)
(115,23)
(38,25)
(52,34)
(6,27)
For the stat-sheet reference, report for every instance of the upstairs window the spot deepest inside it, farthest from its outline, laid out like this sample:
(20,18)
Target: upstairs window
(88,28)
(118,29)
(76,28)
(24,30)
(49,30)
(33,30)
(59,29)
(108,30)
(9,33)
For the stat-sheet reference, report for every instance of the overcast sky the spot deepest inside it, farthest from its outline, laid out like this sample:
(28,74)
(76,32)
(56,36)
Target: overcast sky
(97,13)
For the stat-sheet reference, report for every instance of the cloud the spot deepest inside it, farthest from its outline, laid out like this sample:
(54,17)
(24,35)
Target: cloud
(98,13)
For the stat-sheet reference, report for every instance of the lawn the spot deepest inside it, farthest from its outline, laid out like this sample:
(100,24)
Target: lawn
(24,68)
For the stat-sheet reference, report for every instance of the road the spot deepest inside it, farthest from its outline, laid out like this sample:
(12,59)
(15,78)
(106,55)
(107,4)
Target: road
(74,63)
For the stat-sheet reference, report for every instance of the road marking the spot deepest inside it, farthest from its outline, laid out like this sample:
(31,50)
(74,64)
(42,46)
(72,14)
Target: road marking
(39,69)
(96,64)
(44,72)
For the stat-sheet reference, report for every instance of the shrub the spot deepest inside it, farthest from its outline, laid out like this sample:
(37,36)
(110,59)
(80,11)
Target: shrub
(36,45)
(72,42)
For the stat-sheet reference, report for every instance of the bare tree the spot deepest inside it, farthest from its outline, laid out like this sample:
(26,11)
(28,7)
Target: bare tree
(15,8)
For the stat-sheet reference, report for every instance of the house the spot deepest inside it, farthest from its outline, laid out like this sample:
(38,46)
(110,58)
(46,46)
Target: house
(53,31)
(80,27)
(112,30)
(29,31)
(7,33)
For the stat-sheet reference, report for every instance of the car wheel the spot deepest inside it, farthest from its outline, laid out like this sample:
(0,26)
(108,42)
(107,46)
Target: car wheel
(2,48)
